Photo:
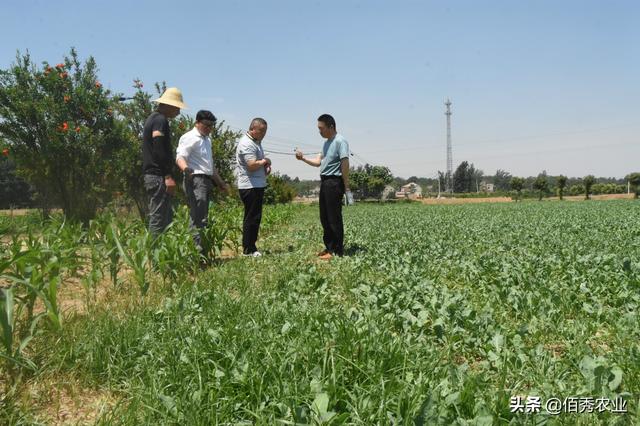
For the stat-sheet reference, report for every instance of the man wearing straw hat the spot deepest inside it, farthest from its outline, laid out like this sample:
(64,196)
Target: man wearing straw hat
(157,159)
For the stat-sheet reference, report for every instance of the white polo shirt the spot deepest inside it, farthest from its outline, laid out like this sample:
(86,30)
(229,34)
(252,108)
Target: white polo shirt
(196,151)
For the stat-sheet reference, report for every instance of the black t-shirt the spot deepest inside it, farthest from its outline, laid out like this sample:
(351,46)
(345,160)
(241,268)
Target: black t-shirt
(157,158)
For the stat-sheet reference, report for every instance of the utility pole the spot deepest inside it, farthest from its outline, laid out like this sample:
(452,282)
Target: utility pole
(449,183)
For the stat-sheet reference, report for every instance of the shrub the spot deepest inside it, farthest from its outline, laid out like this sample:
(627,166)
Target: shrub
(278,190)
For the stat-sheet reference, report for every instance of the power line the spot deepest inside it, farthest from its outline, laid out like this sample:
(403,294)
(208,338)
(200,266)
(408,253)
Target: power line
(270,151)
(281,144)
(273,140)
(503,140)
(546,151)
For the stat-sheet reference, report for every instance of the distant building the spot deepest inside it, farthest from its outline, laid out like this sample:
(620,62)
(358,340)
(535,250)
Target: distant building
(411,191)
(486,186)
(314,193)
(388,192)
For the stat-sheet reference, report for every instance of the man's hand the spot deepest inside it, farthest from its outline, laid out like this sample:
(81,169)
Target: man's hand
(267,165)
(349,197)
(225,188)
(299,154)
(170,184)
(188,173)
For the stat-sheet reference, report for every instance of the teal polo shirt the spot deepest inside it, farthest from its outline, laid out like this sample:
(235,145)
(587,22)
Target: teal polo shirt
(333,151)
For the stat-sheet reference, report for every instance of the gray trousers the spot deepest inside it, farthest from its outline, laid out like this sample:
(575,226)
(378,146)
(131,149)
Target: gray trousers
(160,206)
(198,190)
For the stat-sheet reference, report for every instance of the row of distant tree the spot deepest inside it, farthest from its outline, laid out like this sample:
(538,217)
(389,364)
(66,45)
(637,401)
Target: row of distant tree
(369,182)
(543,185)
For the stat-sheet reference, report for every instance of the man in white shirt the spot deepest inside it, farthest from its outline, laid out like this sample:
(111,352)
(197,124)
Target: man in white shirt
(194,157)
(252,169)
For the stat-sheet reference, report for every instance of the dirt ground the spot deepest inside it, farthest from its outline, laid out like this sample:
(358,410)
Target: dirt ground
(596,197)
(15,212)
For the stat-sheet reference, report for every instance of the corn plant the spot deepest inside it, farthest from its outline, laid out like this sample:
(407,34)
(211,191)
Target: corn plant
(12,345)
(98,251)
(136,254)
(174,252)
(223,230)
(103,236)
(16,334)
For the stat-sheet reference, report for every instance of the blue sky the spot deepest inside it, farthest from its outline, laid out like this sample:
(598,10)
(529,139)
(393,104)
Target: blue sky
(535,85)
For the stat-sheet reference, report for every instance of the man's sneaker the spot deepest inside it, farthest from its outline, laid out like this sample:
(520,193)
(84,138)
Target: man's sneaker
(326,256)
(322,253)
(254,254)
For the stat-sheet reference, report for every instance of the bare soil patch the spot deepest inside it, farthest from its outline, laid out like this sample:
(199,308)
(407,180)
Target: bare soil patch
(60,400)
(596,197)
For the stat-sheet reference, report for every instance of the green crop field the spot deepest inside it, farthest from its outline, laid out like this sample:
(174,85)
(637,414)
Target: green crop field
(437,315)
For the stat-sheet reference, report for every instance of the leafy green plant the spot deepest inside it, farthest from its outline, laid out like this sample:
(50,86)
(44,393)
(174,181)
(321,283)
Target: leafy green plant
(174,252)
(223,229)
(136,255)
(436,315)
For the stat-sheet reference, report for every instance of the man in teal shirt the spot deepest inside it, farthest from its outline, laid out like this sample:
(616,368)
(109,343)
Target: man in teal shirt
(334,176)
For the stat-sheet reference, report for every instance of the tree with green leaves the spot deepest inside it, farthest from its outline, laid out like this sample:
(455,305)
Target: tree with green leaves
(466,178)
(369,181)
(588,182)
(278,190)
(517,183)
(59,124)
(358,181)
(561,183)
(462,178)
(634,180)
(502,180)
(541,184)
(379,177)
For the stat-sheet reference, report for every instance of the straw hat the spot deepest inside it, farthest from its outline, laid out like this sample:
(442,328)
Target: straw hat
(172,96)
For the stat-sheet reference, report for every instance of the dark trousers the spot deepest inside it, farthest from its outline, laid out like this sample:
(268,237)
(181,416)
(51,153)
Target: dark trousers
(252,200)
(160,207)
(198,190)
(331,193)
